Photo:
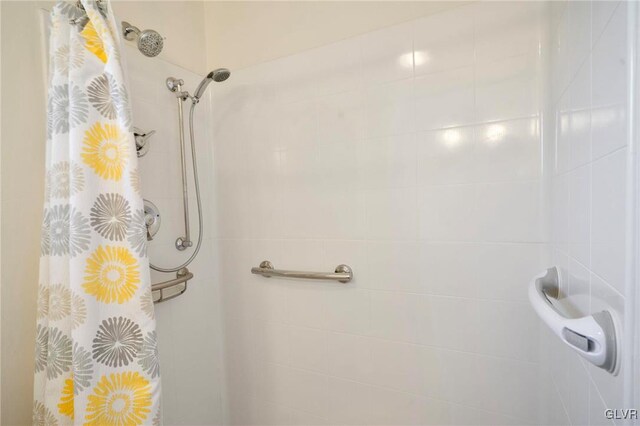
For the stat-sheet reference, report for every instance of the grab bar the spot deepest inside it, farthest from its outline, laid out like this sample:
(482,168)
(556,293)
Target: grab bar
(593,337)
(343,273)
(182,276)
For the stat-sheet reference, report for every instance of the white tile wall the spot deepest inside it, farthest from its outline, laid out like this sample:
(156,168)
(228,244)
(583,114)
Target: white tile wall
(191,361)
(412,154)
(589,95)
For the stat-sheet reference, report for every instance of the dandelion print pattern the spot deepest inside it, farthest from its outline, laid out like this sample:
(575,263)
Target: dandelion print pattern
(134,177)
(57,224)
(119,399)
(59,302)
(65,406)
(68,107)
(63,60)
(80,233)
(109,98)
(105,150)
(111,274)
(49,124)
(58,353)
(82,369)
(43,301)
(42,340)
(42,416)
(117,342)
(101,92)
(111,216)
(146,303)
(137,233)
(148,357)
(93,43)
(78,310)
(65,231)
(45,235)
(69,9)
(94,316)
(104,33)
(64,180)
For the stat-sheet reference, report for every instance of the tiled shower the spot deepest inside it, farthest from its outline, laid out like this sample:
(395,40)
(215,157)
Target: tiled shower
(415,155)
(589,118)
(447,159)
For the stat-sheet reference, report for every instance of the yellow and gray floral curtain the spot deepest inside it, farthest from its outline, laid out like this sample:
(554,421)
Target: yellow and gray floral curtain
(96,359)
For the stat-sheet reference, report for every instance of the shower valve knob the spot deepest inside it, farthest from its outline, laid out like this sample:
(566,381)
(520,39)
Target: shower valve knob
(141,137)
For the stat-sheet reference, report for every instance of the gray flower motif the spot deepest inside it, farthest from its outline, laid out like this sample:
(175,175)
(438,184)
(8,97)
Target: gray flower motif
(134,177)
(45,234)
(109,98)
(43,301)
(100,95)
(157,419)
(80,233)
(64,59)
(64,179)
(124,109)
(67,229)
(49,125)
(67,107)
(58,353)
(148,357)
(111,216)
(57,230)
(42,416)
(42,339)
(57,225)
(82,369)
(78,310)
(117,342)
(59,302)
(68,8)
(146,303)
(137,233)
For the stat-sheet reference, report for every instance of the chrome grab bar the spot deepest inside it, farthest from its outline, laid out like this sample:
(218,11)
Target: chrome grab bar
(343,273)
(593,337)
(182,276)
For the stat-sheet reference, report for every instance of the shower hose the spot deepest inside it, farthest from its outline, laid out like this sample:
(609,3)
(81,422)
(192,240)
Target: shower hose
(198,201)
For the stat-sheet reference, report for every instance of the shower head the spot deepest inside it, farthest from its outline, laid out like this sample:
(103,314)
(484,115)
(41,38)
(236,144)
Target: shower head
(150,42)
(217,75)
(220,74)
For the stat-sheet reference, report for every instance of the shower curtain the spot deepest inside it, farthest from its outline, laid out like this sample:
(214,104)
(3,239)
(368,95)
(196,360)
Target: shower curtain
(96,358)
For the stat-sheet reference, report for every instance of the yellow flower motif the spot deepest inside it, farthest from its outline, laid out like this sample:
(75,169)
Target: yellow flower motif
(93,43)
(111,274)
(66,400)
(105,150)
(119,399)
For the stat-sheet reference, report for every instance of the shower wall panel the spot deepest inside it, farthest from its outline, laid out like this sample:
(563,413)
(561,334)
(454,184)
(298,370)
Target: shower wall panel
(588,129)
(188,327)
(414,155)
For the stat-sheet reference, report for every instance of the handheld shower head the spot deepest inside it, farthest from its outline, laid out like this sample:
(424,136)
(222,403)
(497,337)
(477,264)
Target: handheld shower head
(150,42)
(217,75)
(220,74)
